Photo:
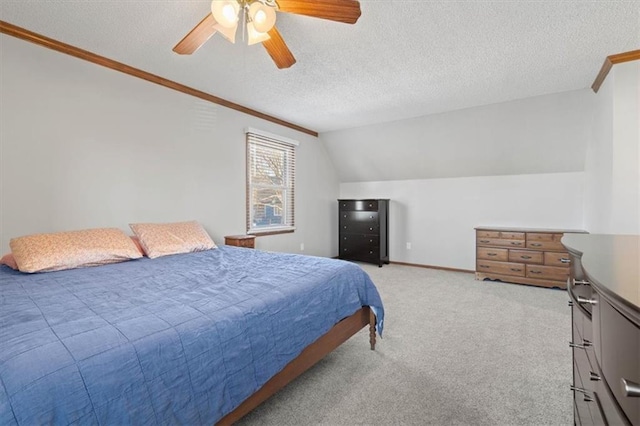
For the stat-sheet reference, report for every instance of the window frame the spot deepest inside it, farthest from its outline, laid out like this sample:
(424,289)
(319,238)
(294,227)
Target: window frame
(258,138)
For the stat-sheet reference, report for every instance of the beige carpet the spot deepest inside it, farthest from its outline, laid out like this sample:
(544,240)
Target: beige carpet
(455,352)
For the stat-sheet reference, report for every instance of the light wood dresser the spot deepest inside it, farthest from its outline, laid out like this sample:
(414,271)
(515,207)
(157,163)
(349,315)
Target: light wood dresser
(523,256)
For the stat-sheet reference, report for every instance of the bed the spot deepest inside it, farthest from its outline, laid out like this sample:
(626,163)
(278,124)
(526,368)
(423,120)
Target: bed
(199,338)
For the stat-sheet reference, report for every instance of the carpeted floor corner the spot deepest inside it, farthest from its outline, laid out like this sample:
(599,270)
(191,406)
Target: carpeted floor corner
(455,352)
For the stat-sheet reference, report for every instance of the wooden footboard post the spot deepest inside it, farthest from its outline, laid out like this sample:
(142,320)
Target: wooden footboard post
(372,329)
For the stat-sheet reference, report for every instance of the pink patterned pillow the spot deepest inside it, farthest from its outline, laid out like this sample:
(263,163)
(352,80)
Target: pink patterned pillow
(136,241)
(163,239)
(9,260)
(73,249)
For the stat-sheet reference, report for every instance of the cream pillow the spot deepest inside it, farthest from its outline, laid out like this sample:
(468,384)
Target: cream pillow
(73,249)
(163,239)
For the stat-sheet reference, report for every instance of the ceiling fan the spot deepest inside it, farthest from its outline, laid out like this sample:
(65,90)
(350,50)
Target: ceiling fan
(259,17)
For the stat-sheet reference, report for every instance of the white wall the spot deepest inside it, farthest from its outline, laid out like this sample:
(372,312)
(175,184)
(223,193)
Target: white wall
(544,134)
(612,200)
(83,146)
(517,164)
(438,216)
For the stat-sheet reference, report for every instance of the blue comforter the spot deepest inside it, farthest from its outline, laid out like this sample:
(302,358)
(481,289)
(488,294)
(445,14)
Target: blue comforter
(180,339)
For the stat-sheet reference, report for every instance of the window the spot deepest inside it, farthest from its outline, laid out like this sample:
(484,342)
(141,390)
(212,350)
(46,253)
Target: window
(271,166)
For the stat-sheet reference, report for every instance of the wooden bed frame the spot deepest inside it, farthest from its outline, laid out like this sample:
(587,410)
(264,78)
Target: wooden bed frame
(313,353)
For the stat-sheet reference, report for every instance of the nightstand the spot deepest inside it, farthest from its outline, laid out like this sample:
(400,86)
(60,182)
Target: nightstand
(247,241)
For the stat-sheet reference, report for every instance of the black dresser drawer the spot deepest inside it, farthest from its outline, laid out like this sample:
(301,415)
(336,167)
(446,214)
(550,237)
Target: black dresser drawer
(368,254)
(358,216)
(367,240)
(620,357)
(358,205)
(350,227)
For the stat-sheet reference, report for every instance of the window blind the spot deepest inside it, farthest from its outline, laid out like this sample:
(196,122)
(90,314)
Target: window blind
(271,172)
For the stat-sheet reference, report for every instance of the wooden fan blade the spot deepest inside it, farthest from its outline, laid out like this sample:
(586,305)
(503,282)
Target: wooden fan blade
(347,11)
(197,36)
(278,50)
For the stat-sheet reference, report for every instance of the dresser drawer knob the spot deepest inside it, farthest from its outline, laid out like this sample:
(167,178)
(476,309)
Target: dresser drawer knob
(516,269)
(484,241)
(587,301)
(594,377)
(536,245)
(485,266)
(565,260)
(370,217)
(585,344)
(514,243)
(631,389)
(492,254)
(535,272)
(581,282)
(370,229)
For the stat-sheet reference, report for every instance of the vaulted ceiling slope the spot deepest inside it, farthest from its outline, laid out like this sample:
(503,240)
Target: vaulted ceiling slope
(402,59)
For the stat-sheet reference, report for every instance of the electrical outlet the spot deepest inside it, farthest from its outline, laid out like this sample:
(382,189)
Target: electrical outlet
(301,246)
(408,246)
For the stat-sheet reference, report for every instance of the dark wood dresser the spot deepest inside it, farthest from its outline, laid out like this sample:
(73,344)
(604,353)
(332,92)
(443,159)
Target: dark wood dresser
(604,295)
(531,256)
(364,230)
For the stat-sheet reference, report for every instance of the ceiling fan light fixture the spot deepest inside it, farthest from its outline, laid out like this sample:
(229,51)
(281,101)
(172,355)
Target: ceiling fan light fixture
(225,12)
(228,33)
(255,36)
(262,16)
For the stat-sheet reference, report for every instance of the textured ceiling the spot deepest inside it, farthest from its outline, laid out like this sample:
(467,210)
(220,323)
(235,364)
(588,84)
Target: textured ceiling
(402,59)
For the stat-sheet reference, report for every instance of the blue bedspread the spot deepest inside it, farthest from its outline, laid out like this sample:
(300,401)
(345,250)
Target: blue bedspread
(182,339)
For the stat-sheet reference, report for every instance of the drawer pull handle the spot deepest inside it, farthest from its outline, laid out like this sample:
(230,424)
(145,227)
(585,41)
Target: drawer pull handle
(535,272)
(587,395)
(594,377)
(516,269)
(581,390)
(581,282)
(485,266)
(525,257)
(492,254)
(565,260)
(588,301)
(585,344)
(370,229)
(484,241)
(514,243)
(631,389)
(536,245)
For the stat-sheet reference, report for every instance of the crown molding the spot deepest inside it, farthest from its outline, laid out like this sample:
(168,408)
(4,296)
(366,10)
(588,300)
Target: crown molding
(67,49)
(609,62)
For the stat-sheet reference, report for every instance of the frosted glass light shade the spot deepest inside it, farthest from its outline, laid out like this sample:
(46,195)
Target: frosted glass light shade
(262,16)
(255,36)
(225,12)
(228,33)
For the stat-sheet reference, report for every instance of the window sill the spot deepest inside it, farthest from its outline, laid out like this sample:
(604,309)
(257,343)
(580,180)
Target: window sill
(266,232)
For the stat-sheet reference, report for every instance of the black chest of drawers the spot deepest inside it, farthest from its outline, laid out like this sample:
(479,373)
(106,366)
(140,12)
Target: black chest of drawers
(604,292)
(364,230)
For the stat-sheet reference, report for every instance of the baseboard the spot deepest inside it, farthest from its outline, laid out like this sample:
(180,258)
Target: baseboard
(442,268)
